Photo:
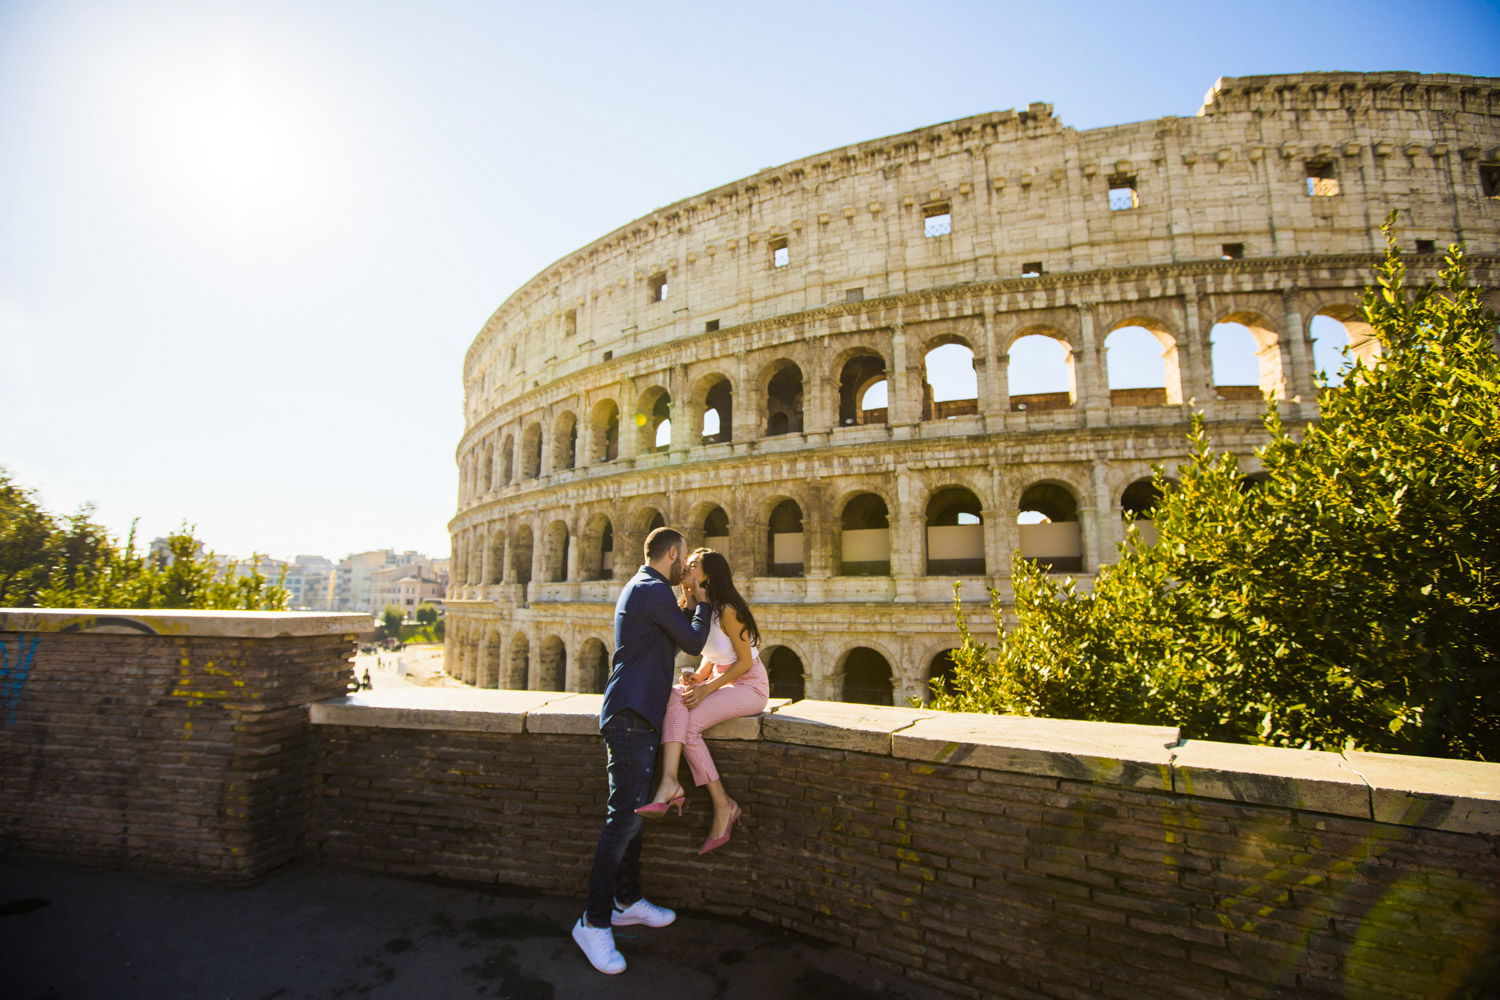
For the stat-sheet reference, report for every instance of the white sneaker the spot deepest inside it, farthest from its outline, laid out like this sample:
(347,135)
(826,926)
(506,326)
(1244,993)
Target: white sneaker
(598,944)
(642,911)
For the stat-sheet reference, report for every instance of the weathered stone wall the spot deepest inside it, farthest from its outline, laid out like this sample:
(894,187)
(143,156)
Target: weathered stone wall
(586,341)
(991,856)
(175,743)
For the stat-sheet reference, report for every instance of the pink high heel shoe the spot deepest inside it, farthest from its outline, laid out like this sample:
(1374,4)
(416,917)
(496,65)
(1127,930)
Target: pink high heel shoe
(656,810)
(714,843)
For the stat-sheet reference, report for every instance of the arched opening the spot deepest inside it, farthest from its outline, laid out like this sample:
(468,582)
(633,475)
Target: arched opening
(597,553)
(785,670)
(716,529)
(531,452)
(1142,366)
(1236,369)
(593,667)
(552,666)
(865,537)
(867,677)
(1049,528)
(487,472)
(785,542)
(1339,338)
(940,673)
(862,391)
(654,420)
(784,400)
(555,559)
(520,555)
(955,533)
(507,460)
(489,670)
(1137,504)
(519,668)
(604,427)
(951,388)
(496,561)
(718,413)
(1040,373)
(565,442)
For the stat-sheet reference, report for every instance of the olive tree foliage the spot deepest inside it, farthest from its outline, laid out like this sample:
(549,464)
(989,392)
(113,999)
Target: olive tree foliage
(72,562)
(1349,601)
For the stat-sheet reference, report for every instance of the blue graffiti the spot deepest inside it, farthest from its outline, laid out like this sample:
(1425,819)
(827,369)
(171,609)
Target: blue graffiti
(13,675)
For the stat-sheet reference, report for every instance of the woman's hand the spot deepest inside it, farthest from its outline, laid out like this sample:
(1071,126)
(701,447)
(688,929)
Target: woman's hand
(695,693)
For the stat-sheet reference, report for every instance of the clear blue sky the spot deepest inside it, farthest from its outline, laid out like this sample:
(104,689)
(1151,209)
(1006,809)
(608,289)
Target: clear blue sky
(244,245)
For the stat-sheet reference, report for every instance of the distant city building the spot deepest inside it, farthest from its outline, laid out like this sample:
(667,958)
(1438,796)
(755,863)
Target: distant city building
(353,583)
(308,582)
(407,588)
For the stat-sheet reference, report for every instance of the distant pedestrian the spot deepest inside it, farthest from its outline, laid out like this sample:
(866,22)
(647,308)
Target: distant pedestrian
(365,682)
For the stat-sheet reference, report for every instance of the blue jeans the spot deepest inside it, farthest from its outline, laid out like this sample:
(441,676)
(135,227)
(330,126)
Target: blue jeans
(631,744)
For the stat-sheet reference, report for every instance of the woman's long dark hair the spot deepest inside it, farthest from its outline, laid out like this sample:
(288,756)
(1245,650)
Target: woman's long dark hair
(721,591)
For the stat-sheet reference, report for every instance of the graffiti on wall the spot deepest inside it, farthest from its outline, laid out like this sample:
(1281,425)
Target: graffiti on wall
(16,655)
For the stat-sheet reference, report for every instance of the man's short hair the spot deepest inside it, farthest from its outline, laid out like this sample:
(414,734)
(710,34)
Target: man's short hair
(660,540)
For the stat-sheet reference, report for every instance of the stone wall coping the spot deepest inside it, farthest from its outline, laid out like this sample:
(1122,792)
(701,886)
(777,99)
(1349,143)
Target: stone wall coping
(215,624)
(1437,793)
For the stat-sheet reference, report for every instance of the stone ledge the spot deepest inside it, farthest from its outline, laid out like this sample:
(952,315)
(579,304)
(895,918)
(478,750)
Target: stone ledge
(1111,753)
(1313,780)
(1455,795)
(207,624)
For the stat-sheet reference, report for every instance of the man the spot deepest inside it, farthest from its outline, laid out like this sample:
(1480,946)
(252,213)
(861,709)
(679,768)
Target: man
(649,629)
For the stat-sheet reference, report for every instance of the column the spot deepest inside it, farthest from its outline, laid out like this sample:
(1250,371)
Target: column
(1194,359)
(904,383)
(1089,370)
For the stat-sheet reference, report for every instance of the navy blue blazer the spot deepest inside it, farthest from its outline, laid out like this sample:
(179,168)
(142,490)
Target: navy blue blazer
(649,629)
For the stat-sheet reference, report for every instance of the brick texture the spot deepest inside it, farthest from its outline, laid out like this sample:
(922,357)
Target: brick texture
(188,756)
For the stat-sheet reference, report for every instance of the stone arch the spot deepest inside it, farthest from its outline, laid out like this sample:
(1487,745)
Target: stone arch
(487,473)
(490,669)
(653,412)
(508,460)
(531,451)
(496,559)
(593,666)
(939,668)
(552,665)
(604,432)
(1054,538)
(955,532)
(786,670)
(555,557)
(784,397)
(520,554)
(713,408)
(786,549)
(864,535)
(1232,335)
(596,547)
(1133,378)
(713,527)
(518,663)
(1359,339)
(1137,503)
(1041,373)
(950,359)
(565,441)
(866,675)
(862,368)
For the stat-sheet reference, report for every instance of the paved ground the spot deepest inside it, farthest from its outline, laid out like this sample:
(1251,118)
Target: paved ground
(315,932)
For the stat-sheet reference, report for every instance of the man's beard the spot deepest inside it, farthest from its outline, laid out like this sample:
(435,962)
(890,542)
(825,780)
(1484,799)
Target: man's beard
(675,577)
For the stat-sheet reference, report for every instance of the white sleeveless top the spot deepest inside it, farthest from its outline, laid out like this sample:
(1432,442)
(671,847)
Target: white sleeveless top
(717,647)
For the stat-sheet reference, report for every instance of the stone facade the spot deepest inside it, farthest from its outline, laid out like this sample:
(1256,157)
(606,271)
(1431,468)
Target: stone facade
(779,300)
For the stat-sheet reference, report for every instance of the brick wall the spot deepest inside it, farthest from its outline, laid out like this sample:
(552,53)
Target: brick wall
(1057,860)
(991,856)
(175,743)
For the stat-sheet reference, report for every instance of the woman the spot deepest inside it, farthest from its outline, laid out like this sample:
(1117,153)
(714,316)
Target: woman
(730,682)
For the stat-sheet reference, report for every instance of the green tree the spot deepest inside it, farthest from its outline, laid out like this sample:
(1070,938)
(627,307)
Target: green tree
(1351,600)
(28,544)
(427,614)
(391,621)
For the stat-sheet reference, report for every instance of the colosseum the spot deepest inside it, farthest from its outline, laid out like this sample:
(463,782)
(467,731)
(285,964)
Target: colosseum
(875,371)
